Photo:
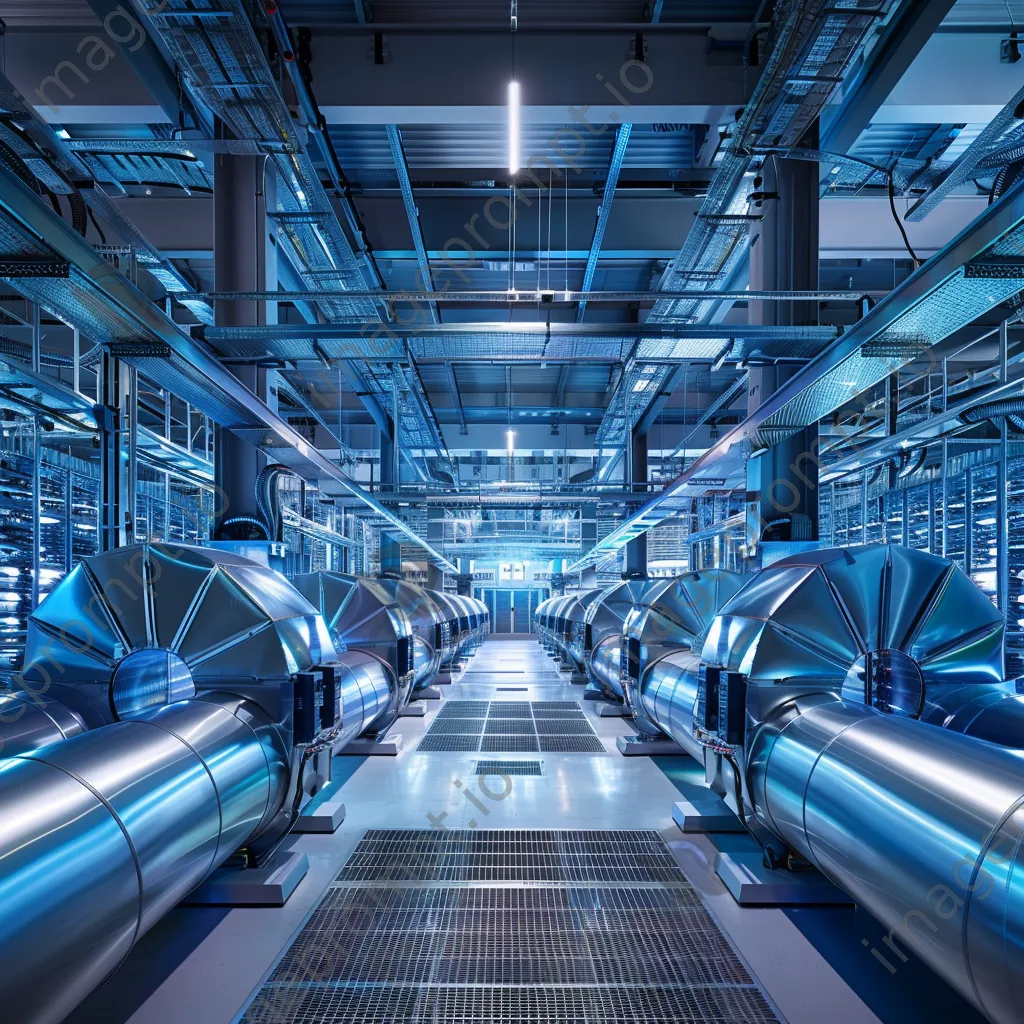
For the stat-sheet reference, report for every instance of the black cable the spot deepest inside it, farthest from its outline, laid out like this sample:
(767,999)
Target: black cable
(899,223)
(99,230)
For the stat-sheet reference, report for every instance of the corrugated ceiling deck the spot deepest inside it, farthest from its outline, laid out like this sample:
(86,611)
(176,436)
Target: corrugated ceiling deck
(510,925)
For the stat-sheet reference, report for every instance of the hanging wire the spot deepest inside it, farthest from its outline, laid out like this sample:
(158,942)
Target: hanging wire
(550,204)
(567,232)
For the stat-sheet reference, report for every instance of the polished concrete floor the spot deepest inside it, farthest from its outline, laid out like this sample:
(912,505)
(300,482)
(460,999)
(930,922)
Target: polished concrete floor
(203,965)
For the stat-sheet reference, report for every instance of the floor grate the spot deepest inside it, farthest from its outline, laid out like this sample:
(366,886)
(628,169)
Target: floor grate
(572,951)
(508,768)
(511,726)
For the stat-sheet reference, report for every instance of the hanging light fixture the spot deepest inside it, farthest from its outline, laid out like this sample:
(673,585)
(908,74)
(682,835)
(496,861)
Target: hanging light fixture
(513,127)
(513,97)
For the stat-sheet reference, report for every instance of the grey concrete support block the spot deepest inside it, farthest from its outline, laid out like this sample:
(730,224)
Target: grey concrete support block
(641,746)
(269,886)
(753,885)
(373,748)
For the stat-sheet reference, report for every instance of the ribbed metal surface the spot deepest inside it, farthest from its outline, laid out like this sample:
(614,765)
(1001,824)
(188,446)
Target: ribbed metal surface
(511,727)
(606,929)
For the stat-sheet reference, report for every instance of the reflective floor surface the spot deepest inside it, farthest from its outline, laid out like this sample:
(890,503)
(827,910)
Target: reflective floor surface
(204,965)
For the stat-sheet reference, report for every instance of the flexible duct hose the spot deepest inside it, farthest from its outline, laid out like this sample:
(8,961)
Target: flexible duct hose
(993,410)
(268,498)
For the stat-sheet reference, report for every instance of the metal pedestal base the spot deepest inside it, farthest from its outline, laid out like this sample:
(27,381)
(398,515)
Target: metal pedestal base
(641,746)
(373,748)
(443,678)
(752,884)
(412,710)
(704,811)
(578,679)
(613,711)
(593,693)
(427,693)
(269,886)
(323,814)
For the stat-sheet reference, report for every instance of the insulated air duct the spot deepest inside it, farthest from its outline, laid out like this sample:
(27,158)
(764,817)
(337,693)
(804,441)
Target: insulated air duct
(818,707)
(177,705)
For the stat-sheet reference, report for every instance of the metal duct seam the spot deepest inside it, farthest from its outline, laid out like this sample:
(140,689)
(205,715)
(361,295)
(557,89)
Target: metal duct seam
(820,768)
(95,808)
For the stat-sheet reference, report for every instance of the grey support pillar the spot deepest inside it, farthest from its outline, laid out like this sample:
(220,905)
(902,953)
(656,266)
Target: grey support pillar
(116,417)
(782,483)
(435,538)
(464,582)
(244,260)
(636,550)
(390,555)
(588,534)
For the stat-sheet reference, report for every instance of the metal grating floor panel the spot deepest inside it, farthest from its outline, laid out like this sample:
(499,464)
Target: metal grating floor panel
(508,768)
(509,744)
(459,743)
(511,726)
(639,947)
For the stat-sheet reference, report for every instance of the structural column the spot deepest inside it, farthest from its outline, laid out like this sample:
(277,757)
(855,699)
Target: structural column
(635,566)
(464,582)
(245,260)
(117,474)
(782,483)
(435,538)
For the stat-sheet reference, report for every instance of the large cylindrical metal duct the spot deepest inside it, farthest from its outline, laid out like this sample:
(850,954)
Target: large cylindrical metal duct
(921,826)
(363,616)
(29,721)
(660,633)
(811,705)
(454,634)
(431,642)
(106,831)
(574,627)
(668,697)
(603,623)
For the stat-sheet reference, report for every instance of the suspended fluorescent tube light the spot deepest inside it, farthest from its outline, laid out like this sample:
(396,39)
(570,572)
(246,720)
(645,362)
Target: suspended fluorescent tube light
(511,438)
(513,127)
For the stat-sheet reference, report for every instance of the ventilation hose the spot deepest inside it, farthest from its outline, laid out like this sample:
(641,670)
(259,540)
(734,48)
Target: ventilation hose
(994,410)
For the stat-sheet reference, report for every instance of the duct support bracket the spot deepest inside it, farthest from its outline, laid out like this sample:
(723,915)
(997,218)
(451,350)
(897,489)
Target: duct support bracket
(269,886)
(751,884)
(641,746)
(701,810)
(390,747)
(323,814)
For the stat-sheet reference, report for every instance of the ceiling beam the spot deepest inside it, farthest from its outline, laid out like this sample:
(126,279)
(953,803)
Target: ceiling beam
(604,212)
(109,309)
(873,80)
(412,214)
(529,328)
(933,303)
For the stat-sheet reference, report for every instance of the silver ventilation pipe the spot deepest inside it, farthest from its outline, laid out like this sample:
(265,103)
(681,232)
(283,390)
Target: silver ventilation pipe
(199,697)
(828,706)
(106,831)
(922,827)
